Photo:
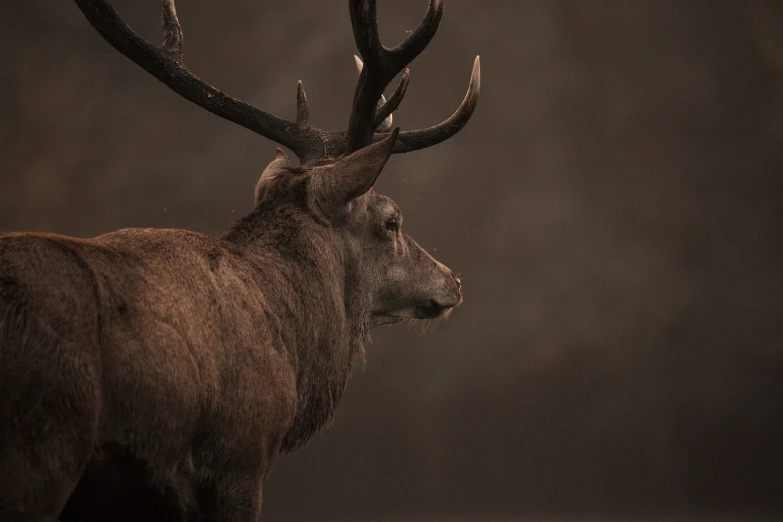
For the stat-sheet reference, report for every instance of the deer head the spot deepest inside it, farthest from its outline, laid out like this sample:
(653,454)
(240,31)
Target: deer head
(331,191)
(391,277)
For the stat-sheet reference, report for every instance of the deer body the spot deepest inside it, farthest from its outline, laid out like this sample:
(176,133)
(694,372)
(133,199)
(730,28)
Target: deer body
(182,358)
(192,349)
(157,374)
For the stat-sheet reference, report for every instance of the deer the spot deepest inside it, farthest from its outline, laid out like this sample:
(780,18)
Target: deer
(157,374)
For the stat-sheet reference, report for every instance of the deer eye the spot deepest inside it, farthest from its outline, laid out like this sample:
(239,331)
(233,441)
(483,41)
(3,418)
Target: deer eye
(392,225)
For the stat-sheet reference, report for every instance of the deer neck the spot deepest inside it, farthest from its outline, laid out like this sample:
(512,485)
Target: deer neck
(301,273)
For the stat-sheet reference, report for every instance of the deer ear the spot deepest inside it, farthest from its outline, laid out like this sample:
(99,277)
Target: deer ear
(272,170)
(334,186)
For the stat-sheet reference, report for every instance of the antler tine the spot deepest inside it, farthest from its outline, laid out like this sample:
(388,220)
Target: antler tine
(386,123)
(364,21)
(381,64)
(420,139)
(418,40)
(382,122)
(302,111)
(390,105)
(172,31)
(165,63)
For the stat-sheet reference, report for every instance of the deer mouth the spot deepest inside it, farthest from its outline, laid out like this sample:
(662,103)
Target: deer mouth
(432,310)
(425,309)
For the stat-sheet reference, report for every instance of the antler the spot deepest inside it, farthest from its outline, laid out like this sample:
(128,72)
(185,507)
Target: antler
(309,144)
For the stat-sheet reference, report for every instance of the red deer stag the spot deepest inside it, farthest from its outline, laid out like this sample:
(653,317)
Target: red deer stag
(157,374)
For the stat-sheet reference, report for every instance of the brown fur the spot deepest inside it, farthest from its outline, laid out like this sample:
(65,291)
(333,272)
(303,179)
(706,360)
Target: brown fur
(157,374)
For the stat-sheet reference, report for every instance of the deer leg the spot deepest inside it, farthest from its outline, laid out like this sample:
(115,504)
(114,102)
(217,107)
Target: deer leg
(50,411)
(235,498)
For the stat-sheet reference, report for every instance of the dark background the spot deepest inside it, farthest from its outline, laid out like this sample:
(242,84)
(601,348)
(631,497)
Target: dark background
(613,209)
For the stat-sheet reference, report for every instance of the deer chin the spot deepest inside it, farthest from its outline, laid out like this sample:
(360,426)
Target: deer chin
(384,319)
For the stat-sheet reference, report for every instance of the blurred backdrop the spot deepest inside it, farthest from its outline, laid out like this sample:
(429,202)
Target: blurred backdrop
(613,208)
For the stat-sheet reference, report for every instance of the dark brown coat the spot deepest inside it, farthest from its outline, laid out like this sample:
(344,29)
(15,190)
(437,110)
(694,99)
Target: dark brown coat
(157,374)
(189,362)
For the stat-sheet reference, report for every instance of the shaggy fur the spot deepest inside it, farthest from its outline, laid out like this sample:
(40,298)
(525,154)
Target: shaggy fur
(157,374)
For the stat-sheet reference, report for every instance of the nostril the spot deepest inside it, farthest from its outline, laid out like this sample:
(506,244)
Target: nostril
(457,280)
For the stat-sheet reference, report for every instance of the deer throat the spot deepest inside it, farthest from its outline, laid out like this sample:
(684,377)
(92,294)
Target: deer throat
(323,375)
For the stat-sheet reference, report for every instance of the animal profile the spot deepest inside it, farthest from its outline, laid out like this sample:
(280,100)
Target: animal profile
(157,374)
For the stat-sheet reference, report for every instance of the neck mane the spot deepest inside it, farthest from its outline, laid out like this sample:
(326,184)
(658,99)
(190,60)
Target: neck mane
(324,323)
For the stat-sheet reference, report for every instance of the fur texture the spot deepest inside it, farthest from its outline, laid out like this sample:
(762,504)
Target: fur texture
(158,374)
